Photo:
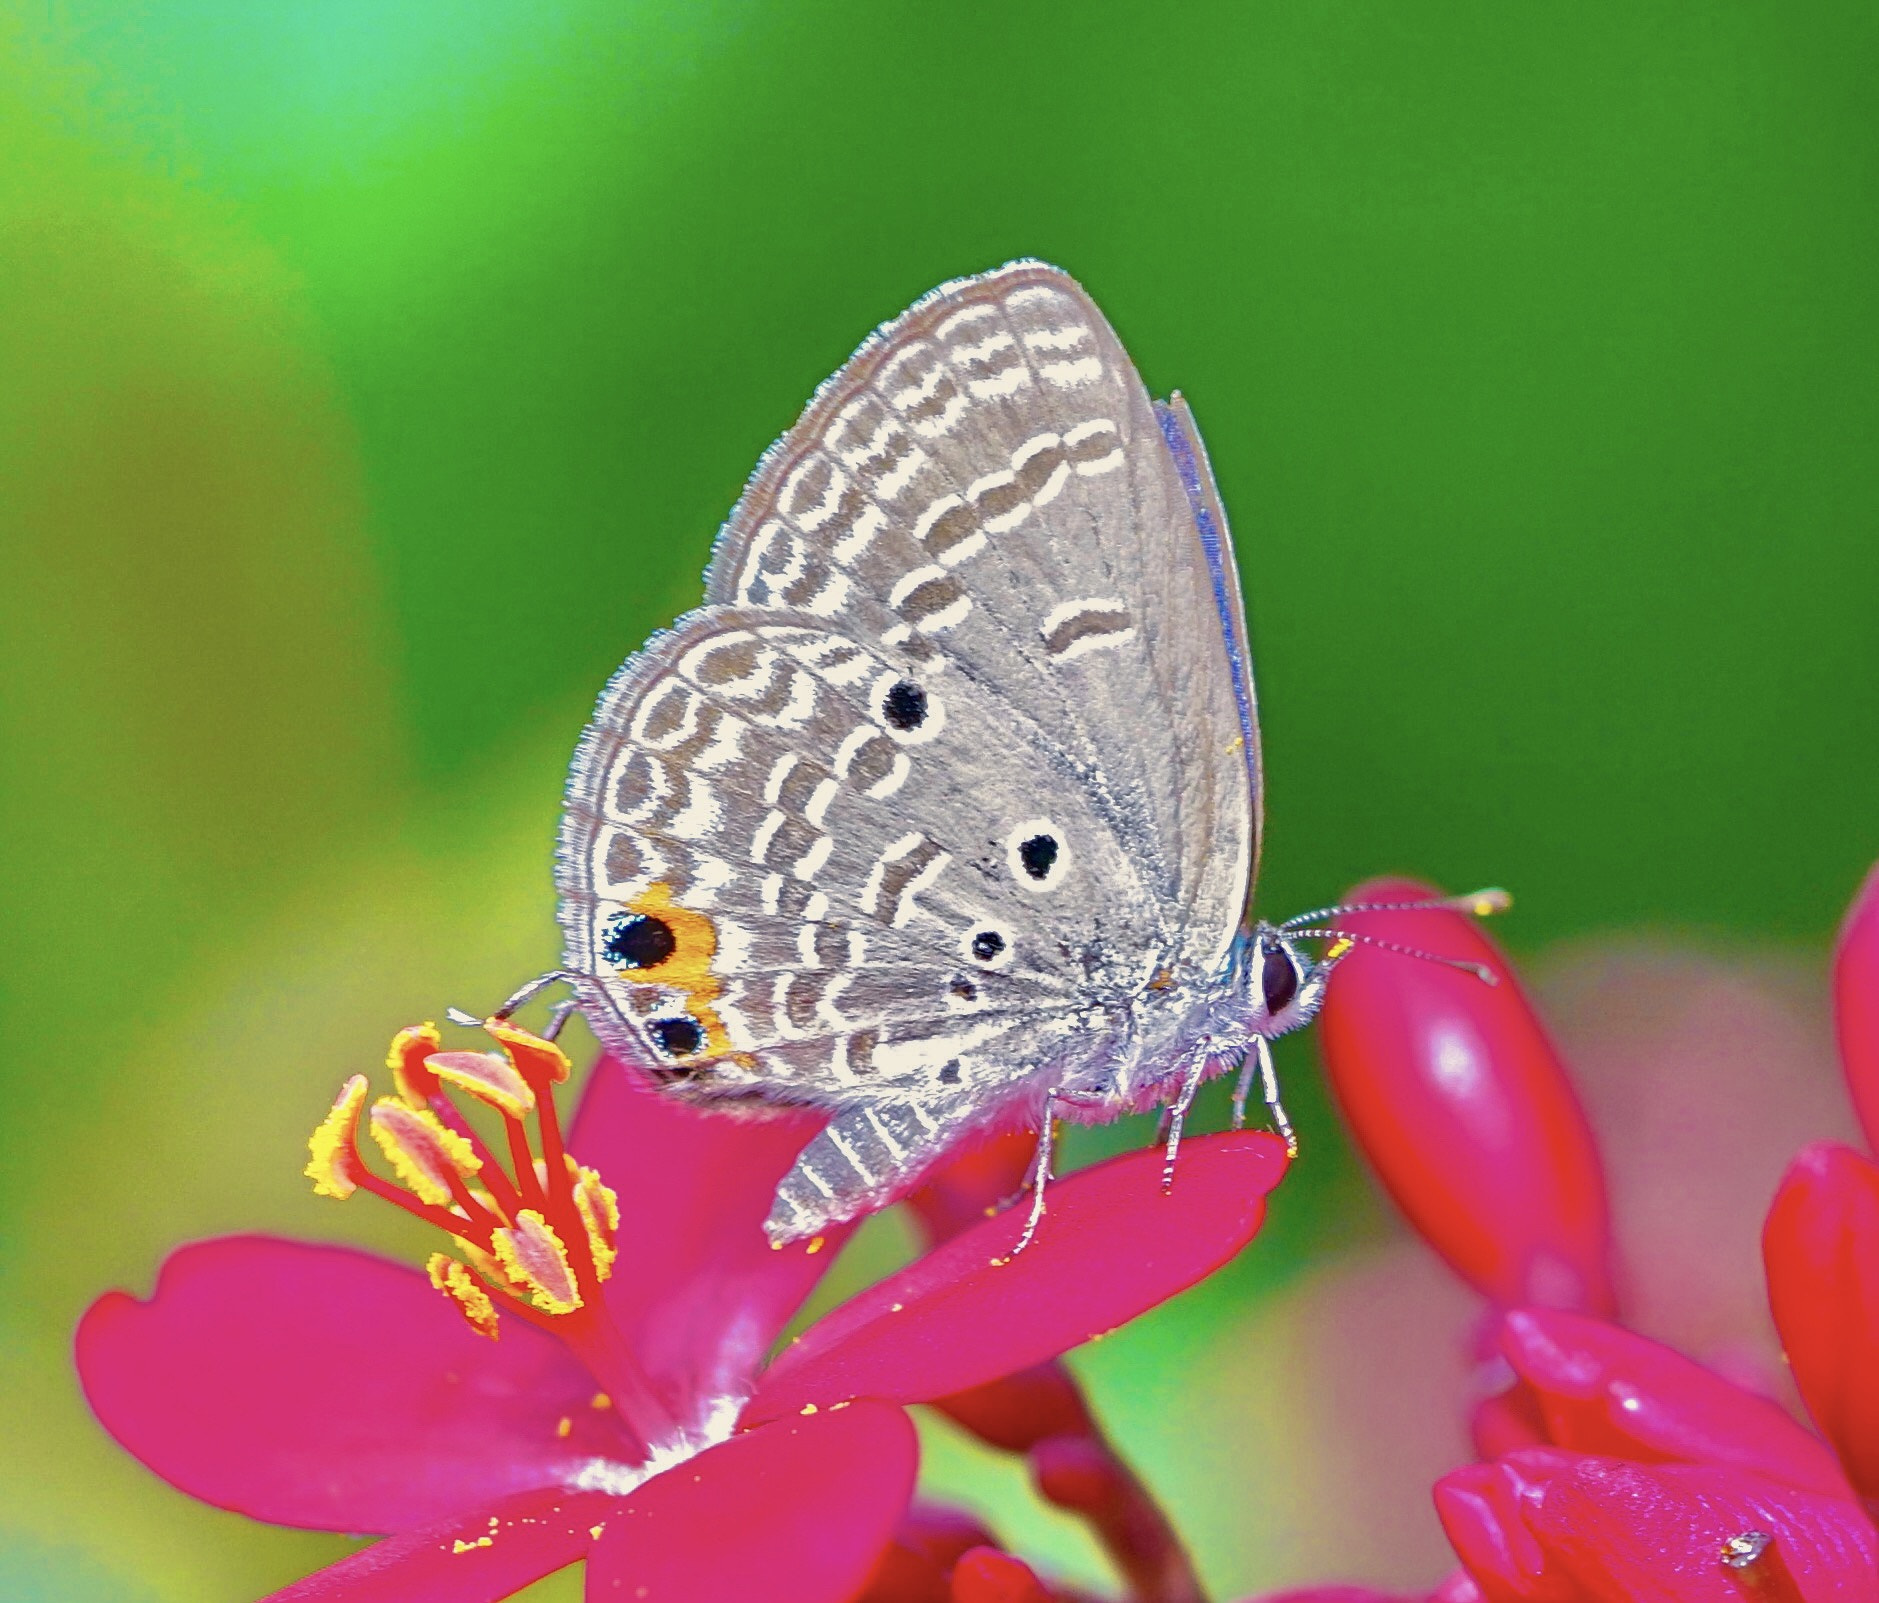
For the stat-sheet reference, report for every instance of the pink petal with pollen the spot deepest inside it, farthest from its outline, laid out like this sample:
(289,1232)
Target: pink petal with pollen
(1459,1101)
(1111,1247)
(322,1387)
(1625,1532)
(1856,1003)
(795,1512)
(1603,1390)
(1821,1247)
(474,1558)
(698,1292)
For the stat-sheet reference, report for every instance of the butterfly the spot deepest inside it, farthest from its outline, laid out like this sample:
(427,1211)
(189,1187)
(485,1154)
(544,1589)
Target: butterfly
(944,810)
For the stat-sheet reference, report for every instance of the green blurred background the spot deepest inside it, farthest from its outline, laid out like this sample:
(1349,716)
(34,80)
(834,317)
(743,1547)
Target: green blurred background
(373,378)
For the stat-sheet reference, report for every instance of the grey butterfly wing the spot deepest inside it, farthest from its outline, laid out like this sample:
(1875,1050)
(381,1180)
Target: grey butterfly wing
(907,921)
(989,472)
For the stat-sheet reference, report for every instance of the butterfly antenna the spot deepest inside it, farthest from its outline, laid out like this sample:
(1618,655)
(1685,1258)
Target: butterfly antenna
(1480,903)
(1349,938)
(526,994)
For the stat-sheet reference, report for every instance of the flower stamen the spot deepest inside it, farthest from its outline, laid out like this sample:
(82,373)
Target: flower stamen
(536,1236)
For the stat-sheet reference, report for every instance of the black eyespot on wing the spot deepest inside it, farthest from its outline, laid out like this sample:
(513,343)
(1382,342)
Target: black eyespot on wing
(1038,854)
(904,705)
(637,940)
(677,1037)
(950,1074)
(987,944)
(964,989)
(1278,979)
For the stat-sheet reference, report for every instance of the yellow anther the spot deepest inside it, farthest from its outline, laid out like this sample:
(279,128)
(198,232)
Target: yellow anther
(533,1256)
(466,1291)
(333,1146)
(599,1209)
(529,1051)
(409,1048)
(487,1076)
(426,1153)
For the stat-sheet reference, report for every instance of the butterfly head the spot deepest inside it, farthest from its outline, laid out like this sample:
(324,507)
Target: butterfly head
(1283,982)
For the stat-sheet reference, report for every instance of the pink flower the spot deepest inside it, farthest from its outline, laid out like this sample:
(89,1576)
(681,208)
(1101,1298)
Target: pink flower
(626,1404)
(1618,1469)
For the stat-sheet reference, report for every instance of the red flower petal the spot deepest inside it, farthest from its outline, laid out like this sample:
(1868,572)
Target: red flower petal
(1821,1248)
(1856,1003)
(698,1292)
(795,1512)
(1603,1390)
(473,1558)
(926,1545)
(1484,1509)
(1016,1412)
(1458,1099)
(1333,1594)
(322,1387)
(985,1575)
(1111,1247)
(1623,1532)
(976,1182)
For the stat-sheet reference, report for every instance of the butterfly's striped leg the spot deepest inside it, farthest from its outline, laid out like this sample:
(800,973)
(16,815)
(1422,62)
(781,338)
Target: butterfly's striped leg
(1259,1061)
(1041,1168)
(865,1158)
(1177,1119)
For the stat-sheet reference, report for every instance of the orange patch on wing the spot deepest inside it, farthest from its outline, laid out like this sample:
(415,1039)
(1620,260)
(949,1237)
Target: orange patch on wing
(688,967)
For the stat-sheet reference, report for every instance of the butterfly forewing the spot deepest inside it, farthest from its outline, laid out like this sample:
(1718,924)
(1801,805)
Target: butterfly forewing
(949,768)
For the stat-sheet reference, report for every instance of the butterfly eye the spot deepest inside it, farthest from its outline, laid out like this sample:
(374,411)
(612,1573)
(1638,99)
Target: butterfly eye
(638,941)
(1278,979)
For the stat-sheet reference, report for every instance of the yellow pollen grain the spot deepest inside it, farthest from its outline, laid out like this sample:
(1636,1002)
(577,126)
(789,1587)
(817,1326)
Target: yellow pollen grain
(422,1149)
(815,1246)
(463,1288)
(810,1408)
(332,1148)
(1338,949)
(534,1257)
(897,1308)
(600,1400)
(487,1076)
(461,1546)
(564,1426)
(408,1047)
(595,1530)
(528,1051)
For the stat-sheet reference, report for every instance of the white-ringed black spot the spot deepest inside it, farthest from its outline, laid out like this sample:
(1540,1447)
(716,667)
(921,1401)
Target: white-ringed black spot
(904,705)
(679,1037)
(964,989)
(637,940)
(987,944)
(1037,854)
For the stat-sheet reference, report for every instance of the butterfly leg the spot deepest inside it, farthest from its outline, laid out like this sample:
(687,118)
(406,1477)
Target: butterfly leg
(1177,1120)
(1243,1089)
(1269,1089)
(1040,1173)
(864,1159)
